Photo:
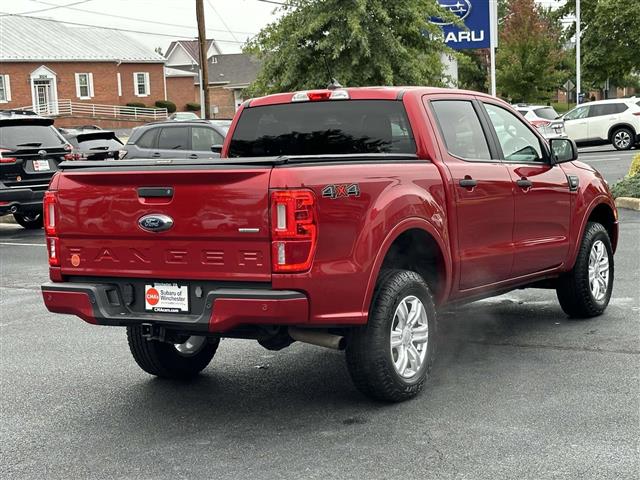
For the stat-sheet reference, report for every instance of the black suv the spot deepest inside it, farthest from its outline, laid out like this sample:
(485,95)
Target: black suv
(30,151)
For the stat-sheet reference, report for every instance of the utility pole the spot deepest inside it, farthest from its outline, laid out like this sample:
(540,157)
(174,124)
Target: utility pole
(204,73)
(577,52)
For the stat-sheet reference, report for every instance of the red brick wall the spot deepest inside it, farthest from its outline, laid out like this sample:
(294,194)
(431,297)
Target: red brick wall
(181,90)
(104,82)
(223,99)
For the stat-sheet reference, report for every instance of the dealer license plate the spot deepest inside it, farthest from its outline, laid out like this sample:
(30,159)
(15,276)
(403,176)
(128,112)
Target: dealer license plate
(41,165)
(166,298)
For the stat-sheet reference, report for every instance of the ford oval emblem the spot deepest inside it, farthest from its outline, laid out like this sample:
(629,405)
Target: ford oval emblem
(460,8)
(155,222)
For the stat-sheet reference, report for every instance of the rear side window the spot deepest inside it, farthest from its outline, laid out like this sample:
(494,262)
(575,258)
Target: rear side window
(173,138)
(606,109)
(316,128)
(23,136)
(460,127)
(148,139)
(548,113)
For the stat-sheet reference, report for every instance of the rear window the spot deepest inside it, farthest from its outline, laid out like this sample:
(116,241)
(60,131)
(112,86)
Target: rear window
(99,143)
(548,113)
(316,128)
(23,136)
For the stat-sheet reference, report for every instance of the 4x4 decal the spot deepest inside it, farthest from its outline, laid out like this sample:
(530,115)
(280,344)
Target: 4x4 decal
(341,190)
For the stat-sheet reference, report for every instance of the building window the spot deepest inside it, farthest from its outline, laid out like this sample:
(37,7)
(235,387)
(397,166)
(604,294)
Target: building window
(84,85)
(119,84)
(5,89)
(141,84)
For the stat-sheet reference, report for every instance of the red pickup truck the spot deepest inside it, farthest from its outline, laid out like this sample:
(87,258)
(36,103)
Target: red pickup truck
(343,218)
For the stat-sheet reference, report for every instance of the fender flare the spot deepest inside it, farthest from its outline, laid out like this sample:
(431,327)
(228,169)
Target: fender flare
(403,226)
(621,125)
(599,200)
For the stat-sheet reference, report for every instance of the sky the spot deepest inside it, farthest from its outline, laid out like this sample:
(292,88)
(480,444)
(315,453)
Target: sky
(230,22)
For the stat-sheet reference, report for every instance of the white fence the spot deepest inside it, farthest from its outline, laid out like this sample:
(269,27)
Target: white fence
(67,108)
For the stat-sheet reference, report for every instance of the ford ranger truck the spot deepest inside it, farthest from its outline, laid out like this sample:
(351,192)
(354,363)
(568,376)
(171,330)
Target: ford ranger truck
(343,218)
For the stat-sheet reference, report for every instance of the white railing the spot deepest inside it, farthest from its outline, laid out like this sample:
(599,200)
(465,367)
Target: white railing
(67,108)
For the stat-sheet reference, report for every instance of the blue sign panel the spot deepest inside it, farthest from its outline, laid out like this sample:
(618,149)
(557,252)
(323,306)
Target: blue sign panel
(476,16)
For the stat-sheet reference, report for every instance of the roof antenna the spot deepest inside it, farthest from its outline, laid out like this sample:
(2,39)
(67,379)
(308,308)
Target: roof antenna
(334,85)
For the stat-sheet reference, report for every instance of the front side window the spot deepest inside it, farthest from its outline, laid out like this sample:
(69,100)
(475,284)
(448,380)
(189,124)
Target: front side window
(141,83)
(518,143)
(460,126)
(577,113)
(83,85)
(203,138)
(174,138)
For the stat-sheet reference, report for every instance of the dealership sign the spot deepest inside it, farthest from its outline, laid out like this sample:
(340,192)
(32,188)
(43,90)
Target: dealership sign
(477,19)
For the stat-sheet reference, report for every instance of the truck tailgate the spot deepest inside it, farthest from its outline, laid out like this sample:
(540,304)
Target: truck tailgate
(220,225)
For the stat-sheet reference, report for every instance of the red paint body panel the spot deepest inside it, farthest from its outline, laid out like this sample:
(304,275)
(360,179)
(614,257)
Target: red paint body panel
(491,237)
(229,313)
(70,303)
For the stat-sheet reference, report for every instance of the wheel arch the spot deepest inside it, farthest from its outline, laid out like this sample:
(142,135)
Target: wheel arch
(618,126)
(414,244)
(601,210)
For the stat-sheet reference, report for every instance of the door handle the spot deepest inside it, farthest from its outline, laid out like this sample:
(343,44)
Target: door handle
(468,182)
(524,183)
(155,155)
(155,192)
(193,155)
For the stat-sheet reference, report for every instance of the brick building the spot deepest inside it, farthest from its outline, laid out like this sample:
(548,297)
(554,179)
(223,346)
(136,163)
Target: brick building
(55,63)
(229,75)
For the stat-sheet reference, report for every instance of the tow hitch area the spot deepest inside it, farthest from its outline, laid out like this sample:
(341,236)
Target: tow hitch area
(153,332)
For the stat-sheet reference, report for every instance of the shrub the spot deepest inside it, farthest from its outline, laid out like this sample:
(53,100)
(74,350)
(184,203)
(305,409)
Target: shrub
(170,106)
(627,187)
(136,104)
(634,170)
(192,107)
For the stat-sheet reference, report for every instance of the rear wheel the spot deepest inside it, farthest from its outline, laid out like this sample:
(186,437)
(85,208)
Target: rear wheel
(585,291)
(171,360)
(390,358)
(622,139)
(30,221)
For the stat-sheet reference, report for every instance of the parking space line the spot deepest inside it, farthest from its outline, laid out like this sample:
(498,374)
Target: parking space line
(14,244)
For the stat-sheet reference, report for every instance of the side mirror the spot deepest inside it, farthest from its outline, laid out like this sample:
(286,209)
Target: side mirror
(563,150)
(216,149)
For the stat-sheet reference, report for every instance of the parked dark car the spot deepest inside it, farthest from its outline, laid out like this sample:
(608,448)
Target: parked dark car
(30,151)
(94,144)
(188,139)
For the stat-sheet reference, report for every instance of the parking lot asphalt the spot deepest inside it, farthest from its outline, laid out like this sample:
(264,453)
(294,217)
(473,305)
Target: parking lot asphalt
(519,391)
(611,163)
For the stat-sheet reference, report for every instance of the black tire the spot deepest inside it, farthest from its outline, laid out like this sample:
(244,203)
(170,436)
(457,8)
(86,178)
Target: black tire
(369,353)
(164,360)
(622,138)
(574,291)
(30,221)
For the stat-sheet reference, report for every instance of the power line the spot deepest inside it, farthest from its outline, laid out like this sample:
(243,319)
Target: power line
(221,19)
(112,28)
(123,17)
(54,7)
(271,1)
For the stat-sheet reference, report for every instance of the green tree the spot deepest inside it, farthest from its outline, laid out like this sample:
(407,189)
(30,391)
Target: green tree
(610,39)
(362,42)
(473,70)
(530,59)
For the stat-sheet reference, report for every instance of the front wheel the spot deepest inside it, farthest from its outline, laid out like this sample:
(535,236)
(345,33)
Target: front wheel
(30,221)
(390,358)
(622,139)
(171,360)
(585,291)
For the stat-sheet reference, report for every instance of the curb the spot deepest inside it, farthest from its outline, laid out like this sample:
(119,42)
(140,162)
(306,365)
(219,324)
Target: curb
(8,219)
(628,202)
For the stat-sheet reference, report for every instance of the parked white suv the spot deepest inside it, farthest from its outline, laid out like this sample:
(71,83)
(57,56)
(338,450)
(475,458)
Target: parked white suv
(544,118)
(605,121)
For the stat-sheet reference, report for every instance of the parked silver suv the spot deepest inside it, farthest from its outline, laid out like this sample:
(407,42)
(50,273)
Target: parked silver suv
(187,139)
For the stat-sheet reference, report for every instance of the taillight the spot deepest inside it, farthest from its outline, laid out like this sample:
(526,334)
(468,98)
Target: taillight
(50,207)
(4,159)
(540,123)
(53,246)
(294,230)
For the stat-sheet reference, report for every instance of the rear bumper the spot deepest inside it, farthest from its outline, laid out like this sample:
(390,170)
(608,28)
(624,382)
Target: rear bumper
(224,308)
(20,199)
